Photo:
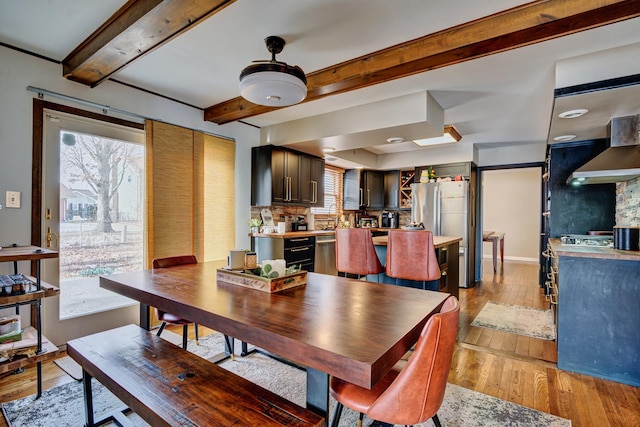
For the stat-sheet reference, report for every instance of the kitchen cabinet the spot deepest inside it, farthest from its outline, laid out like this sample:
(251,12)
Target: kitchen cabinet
(363,189)
(407,177)
(45,350)
(280,176)
(391,189)
(312,181)
(294,250)
(446,170)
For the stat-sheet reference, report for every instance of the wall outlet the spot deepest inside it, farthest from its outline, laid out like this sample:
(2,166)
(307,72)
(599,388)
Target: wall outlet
(13,199)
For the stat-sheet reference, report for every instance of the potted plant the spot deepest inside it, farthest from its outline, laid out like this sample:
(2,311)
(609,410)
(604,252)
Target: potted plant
(255,224)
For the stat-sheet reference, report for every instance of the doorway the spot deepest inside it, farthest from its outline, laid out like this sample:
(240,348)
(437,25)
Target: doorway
(93,213)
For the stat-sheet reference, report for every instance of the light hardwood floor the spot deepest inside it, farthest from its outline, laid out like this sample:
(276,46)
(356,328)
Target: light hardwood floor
(515,368)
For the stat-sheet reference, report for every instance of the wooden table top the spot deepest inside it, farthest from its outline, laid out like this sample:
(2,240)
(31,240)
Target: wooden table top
(348,328)
(25,253)
(438,241)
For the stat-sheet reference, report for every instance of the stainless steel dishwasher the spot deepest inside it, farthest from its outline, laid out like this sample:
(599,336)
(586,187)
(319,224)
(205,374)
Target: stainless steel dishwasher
(325,257)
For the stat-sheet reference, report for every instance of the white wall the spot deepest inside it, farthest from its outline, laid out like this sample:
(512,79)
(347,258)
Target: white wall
(511,204)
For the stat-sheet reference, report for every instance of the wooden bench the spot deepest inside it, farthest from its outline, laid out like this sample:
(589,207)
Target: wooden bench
(168,386)
(495,237)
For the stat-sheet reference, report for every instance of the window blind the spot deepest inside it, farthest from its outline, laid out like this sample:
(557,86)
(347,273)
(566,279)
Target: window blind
(332,192)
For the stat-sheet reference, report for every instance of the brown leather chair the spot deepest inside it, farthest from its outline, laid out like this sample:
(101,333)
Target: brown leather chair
(355,253)
(412,256)
(413,391)
(168,318)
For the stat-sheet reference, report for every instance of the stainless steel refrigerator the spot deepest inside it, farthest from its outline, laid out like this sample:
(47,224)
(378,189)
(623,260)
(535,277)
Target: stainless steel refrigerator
(443,208)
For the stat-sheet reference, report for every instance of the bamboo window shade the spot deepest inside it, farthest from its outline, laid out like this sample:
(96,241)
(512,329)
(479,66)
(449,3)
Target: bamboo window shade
(190,193)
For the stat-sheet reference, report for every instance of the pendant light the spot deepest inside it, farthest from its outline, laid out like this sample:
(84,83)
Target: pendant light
(273,83)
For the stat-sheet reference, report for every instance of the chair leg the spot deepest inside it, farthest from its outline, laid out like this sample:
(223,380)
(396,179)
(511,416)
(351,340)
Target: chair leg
(360,419)
(436,421)
(229,344)
(185,335)
(195,325)
(162,325)
(337,414)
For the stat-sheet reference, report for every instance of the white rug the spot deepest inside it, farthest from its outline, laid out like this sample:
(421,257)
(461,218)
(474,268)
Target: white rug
(517,319)
(63,405)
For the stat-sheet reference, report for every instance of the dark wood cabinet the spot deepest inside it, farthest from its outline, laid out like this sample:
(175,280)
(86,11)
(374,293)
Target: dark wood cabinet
(281,177)
(363,190)
(391,189)
(312,181)
(285,167)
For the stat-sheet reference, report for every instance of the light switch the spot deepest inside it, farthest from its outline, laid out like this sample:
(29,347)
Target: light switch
(13,199)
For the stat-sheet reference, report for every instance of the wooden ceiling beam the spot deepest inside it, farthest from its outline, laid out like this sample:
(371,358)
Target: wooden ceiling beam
(510,29)
(139,27)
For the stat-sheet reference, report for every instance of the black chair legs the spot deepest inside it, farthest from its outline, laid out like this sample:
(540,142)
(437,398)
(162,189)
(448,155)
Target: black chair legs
(436,421)
(337,414)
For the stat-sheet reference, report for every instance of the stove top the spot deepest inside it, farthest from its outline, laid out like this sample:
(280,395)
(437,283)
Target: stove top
(586,240)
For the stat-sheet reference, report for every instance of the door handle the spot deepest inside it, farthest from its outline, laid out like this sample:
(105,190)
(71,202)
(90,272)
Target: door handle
(50,237)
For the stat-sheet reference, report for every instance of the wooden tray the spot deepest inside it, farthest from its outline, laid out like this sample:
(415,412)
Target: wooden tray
(262,283)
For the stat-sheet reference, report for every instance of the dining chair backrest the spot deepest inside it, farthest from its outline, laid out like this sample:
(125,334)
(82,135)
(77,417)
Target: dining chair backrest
(173,261)
(417,392)
(355,252)
(411,255)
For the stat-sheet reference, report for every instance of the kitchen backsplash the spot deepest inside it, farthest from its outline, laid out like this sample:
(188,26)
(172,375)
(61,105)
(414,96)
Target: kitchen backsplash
(628,203)
(280,212)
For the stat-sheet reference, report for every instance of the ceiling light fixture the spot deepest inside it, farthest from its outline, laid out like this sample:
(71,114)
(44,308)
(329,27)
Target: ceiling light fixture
(450,135)
(572,114)
(273,83)
(395,140)
(564,138)
(328,150)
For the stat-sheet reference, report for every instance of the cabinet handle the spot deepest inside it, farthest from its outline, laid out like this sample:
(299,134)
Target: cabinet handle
(361,198)
(368,197)
(289,186)
(443,273)
(314,191)
(299,249)
(301,239)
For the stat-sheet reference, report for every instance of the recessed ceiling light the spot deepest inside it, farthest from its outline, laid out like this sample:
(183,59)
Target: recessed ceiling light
(450,135)
(328,149)
(564,138)
(572,114)
(330,158)
(395,140)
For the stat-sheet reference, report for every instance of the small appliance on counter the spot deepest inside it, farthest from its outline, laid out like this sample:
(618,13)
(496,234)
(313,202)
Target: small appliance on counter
(298,226)
(626,238)
(368,221)
(389,219)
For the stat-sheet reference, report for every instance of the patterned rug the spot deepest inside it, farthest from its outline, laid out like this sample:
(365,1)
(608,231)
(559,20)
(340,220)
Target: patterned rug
(63,405)
(517,319)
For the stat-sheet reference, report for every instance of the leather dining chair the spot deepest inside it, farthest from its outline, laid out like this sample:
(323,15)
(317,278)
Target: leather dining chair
(355,253)
(412,391)
(412,256)
(168,318)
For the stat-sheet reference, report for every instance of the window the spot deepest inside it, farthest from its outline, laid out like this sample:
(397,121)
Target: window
(332,193)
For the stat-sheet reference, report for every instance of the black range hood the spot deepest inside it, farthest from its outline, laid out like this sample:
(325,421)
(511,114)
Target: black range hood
(619,162)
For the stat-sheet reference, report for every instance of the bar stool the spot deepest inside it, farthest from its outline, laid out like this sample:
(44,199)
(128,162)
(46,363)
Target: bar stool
(355,253)
(412,256)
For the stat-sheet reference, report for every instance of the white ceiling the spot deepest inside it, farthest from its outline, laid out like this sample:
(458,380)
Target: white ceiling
(498,100)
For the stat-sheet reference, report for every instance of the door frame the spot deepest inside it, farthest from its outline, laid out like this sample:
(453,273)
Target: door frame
(480,204)
(38,142)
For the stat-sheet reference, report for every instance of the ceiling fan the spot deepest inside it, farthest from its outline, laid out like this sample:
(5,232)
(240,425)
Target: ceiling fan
(271,82)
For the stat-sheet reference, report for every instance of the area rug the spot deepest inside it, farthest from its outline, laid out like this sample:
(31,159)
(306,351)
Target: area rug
(63,405)
(517,319)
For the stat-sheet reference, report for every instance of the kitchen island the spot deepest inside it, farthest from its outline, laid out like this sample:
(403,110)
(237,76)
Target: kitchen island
(598,311)
(447,251)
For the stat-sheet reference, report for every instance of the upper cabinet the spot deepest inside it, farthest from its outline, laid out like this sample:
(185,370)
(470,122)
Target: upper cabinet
(312,181)
(281,177)
(391,189)
(363,189)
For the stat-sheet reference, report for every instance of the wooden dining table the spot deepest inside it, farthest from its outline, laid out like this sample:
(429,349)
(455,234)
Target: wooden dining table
(348,328)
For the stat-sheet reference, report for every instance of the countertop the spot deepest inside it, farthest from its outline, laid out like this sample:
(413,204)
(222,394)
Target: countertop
(592,251)
(291,234)
(438,241)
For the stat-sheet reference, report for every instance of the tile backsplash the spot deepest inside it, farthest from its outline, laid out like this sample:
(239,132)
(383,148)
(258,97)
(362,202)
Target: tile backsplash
(628,203)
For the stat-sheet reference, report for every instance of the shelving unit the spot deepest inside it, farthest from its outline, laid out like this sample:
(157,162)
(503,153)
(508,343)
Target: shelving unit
(45,350)
(406,179)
